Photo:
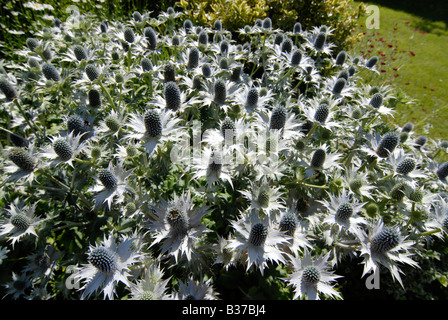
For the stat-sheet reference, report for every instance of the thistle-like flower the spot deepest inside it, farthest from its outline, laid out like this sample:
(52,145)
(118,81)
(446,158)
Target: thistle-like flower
(177,226)
(152,286)
(21,223)
(112,183)
(62,149)
(312,277)
(154,128)
(212,165)
(263,197)
(342,214)
(195,290)
(109,264)
(384,245)
(257,240)
(24,160)
(381,147)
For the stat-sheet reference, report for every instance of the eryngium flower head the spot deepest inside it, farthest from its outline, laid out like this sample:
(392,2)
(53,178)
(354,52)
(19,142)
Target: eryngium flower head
(339,85)
(267,23)
(153,123)
(372,62)
(188,25)
(286,45)
(137,16)
(177,226)
(377,100)
(92,72)
(128,34)
(94,98)
(385,240)
(203,37)
(8,90)
(112,184)
(108,264)
(385,246)
(279,38)
(340,58)
(228,129)
(318,158)
(50,72)
(278,118)
(442,171)
(408,127)
(406,166)
(63,149)
(76,124)
(22,159)
(220,91)
(169,72)
(258,239)
(151,37)
(172,95)
(193,58)
(252,98)
(107,178)
(387,144)
(322,113)
(320,41)
(297,27)
(420,141)
(296,57)
(312,277)
(217,25)
(146,64)
(21,222)
(80,52)
(152,286)
(32,43)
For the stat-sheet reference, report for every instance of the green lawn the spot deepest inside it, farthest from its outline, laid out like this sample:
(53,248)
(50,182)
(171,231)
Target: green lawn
(414,55)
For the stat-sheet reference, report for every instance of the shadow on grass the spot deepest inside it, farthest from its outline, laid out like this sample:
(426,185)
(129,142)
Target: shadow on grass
(430,10)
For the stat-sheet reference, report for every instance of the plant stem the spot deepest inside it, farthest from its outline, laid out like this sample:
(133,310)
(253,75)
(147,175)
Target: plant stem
(32,125)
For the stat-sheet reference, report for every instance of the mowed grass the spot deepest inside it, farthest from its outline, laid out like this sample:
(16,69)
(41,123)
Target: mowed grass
(413,54)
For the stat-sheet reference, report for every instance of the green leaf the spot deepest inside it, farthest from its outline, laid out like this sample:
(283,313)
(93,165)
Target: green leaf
(443,281)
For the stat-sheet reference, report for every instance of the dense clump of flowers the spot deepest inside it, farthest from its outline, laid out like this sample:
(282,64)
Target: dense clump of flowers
(153,150)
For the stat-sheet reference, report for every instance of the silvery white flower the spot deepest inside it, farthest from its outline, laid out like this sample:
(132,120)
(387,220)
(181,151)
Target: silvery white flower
(312,277)
(154,128)
(152,286)
(342,213)
(23,162)
(62,149)
(21,222)
(112,183)
(213,165)
(257,240)
(195,290)
(263,197)
(109,264)
(177,226)
(386,246)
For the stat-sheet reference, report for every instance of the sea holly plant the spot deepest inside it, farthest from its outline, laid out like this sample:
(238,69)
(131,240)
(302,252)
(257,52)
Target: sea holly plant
(154,159)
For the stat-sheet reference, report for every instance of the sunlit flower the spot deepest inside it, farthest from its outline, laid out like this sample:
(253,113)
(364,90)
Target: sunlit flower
(195,290)
(109,264)
(112,185)
(154,128)
(21,222)
(384,245)
(177,226)
(257,240)
(312,277)
(62,149)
